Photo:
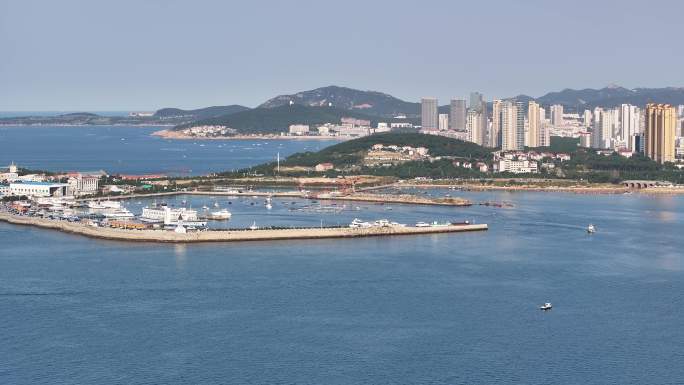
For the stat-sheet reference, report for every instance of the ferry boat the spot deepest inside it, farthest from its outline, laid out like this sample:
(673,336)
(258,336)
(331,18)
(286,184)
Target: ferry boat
(546,306)
(591,229)
(117,213)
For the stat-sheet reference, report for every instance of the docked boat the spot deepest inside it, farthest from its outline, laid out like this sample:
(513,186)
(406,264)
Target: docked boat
(120,213)
(268,203)
(220,215)
(437,224)
(359,224)
(591,229)
(422,224)
(172,216)
(546,306)
(254,226)
(104,205)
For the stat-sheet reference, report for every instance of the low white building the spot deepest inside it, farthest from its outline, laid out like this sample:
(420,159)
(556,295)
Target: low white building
(39,189)
(299,129)
(518,166)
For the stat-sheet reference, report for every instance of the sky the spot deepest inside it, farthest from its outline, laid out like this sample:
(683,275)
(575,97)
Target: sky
(96,55)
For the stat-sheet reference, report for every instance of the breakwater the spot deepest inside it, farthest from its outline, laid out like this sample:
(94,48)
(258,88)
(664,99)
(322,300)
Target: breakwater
(231,235)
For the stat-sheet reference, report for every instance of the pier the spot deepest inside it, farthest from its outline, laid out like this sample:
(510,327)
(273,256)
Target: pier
(232,235)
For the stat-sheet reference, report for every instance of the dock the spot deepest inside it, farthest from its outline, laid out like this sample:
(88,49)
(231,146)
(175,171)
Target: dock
(164,236)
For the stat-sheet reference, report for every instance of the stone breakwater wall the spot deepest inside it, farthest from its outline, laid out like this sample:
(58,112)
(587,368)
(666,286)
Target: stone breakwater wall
(231,235)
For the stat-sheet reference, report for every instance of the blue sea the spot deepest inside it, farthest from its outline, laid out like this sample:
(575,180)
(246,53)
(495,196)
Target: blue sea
(132,150)
(438,309)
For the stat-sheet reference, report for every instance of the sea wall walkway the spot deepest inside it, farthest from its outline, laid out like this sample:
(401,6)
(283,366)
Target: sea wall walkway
(231,235)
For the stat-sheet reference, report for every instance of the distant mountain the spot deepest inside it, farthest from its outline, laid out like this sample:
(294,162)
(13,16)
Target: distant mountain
(201,113)
(368,102)
(612,96)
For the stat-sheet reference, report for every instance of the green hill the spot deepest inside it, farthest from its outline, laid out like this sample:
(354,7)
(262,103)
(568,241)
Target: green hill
(278,119)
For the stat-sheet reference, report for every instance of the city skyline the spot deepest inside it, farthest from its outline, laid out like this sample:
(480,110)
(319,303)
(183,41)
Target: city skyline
(67,56)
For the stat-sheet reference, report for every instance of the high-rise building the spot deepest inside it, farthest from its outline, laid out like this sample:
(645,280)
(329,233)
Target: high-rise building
(494,136)
(557,115)
(476,101)
(587,118)
(428,113)
(443,122)
(476,131)
(544,129)
(512,126)
(534,123)
(629,121)
(660,132)
(458,114)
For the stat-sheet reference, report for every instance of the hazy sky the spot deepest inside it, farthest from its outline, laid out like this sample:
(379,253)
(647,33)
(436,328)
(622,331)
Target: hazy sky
(123,55)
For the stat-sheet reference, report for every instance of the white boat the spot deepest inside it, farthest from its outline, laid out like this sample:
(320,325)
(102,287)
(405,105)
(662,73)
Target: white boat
(220,215)
(359,224)
(268,203)
(422,224)
(205,207)
(546,306)
(591,229)
(216,204)
(118,213)
(253,226)
(103,205)
(437,224)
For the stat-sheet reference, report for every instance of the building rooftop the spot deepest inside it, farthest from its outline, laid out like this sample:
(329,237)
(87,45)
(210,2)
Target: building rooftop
(52,184)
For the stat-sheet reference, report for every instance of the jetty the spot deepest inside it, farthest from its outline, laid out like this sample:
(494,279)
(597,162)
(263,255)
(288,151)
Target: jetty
(240,235)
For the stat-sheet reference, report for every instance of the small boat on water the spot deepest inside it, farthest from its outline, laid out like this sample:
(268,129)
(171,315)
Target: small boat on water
(205,207)
(268,203)
(546,306)
(591,229)
(253,226)
(216,204)
(220,215)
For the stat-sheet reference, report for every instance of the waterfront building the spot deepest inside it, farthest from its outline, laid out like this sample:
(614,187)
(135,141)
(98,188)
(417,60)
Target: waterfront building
(525,166)
(629,122)
(428,114)
(299,129)
(660,132)
(38,189)
(83,184)
(443,122)
(457,110)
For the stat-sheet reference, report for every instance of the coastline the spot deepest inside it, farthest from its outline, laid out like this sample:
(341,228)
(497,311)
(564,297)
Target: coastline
(162,236)
(174,135)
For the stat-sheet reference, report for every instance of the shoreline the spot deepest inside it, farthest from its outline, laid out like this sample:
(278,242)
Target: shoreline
(169,134)
(164,236)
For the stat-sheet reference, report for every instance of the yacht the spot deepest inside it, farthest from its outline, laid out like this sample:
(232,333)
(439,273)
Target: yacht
(219,215)
(103,205)
(359,224)
(546,306)
(422,224)
(117,213)
(268,203)
(253,226)
(591,229)
(216,204)
(437,224)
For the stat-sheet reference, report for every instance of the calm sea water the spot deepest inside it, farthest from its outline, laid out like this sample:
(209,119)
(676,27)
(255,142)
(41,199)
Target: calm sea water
(131,150)
(440,309)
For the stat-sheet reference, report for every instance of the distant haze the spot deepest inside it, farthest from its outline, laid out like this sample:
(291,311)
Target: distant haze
(143,55)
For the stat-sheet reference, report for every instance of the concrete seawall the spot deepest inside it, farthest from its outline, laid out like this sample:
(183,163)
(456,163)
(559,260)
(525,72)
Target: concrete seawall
(230,236)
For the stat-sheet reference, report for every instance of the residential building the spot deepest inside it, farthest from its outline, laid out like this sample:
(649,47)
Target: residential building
(494,136)
(512,126)
(534,123)
(660,132)
(443,122)
(457,119)
(428,114)
(475,128)
(557,115)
